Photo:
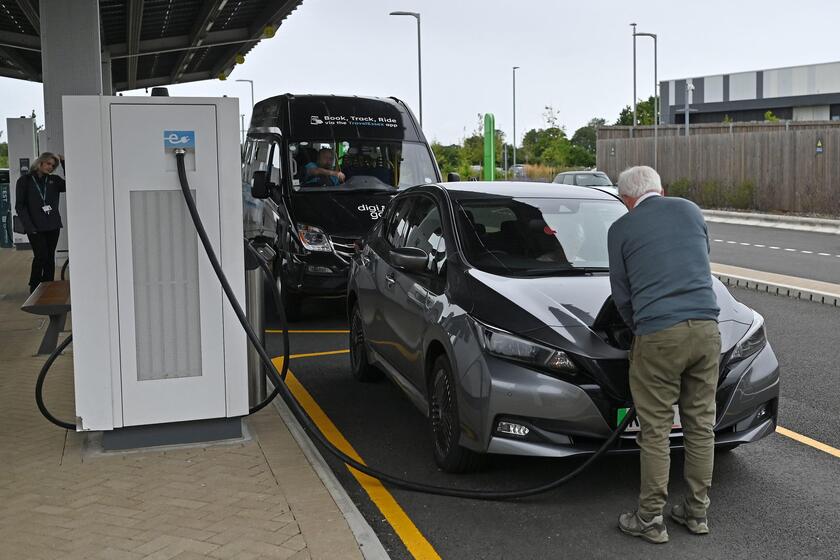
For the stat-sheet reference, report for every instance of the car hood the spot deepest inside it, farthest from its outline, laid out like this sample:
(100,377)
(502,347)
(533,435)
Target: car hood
(339,214)
(568,313)
(569,306)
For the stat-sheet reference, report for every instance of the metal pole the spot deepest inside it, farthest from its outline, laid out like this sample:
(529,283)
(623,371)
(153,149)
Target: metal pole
(689,87)
(416,16)
(514,118)
(506,165)
(254,308)
(251,83)
(242,125)
(635,121)
(655,105)
(419,72)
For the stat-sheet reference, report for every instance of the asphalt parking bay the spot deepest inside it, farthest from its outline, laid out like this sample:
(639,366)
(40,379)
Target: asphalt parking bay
(773,499)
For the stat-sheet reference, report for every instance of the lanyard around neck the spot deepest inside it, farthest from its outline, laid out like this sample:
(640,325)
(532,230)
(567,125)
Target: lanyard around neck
(42,190)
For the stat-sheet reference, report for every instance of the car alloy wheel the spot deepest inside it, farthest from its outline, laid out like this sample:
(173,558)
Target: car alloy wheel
(445,424)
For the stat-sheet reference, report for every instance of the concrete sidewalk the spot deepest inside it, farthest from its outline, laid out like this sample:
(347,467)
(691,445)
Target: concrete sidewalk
(780,284)
(797,223)
(253,498)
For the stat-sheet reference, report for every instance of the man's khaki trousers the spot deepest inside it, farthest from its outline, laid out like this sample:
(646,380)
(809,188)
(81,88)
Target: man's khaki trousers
(677,365)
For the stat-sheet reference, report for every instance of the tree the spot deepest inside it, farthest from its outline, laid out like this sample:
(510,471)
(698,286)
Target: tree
(770,117)
(644,113)
(449,158)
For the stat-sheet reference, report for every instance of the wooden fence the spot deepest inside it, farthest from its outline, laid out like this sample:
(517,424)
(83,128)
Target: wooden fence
(763,166)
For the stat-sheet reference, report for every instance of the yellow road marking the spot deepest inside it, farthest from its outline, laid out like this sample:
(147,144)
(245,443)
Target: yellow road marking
(808,441)
(316,354)
(275,331)
(409,534)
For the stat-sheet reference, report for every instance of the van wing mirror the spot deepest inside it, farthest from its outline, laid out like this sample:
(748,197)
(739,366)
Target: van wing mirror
(260,185)
(410,259)
(452,177)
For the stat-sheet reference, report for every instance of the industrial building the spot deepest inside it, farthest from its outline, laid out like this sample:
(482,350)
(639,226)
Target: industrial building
(796,93)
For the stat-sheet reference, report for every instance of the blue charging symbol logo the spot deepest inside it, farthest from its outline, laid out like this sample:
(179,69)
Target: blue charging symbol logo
(178,139)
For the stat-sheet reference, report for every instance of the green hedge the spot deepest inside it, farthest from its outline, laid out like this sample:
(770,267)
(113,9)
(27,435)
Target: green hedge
(714,194)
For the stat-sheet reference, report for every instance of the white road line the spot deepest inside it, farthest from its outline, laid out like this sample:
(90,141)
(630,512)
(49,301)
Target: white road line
(773,247)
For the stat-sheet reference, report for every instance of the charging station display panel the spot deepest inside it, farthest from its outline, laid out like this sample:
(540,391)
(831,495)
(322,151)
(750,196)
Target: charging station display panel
(175,359)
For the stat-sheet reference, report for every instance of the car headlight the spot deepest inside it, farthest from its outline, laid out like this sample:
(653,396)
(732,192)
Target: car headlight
(752,342)
(510,347)
(313,238)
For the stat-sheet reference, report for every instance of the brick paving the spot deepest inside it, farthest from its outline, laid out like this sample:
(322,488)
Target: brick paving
(245,500)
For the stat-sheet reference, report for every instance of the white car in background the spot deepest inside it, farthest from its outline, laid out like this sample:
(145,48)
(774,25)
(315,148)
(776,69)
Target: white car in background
(595,179)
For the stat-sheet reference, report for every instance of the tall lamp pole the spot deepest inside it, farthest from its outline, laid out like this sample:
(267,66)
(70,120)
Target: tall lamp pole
(515,68)
(416,16)
(633,25)
(251,83)
(655,94)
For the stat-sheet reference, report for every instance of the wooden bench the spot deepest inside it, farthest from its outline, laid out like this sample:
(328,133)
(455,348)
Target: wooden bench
(52,299)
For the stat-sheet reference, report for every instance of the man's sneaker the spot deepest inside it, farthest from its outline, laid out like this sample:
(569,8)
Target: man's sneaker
(697,525)
(652,531)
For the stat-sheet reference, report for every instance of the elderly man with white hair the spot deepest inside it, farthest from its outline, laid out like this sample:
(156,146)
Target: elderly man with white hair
(662,285)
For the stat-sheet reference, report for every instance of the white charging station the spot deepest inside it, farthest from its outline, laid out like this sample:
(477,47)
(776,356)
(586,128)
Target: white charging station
(154,341)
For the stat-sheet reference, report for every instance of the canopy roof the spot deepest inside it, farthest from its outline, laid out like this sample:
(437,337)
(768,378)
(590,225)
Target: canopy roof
(203,39)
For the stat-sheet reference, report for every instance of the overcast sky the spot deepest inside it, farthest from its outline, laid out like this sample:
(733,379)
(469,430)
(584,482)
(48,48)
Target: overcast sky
(575,56)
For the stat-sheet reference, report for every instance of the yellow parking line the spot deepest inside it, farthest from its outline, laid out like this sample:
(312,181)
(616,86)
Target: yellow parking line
(275,331)
(808,441)
(408,533)
(316,354)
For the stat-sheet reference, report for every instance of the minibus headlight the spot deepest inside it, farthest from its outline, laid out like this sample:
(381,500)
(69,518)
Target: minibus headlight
(313,238)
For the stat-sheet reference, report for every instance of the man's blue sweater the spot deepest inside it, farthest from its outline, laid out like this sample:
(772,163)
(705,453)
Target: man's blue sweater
(659,265)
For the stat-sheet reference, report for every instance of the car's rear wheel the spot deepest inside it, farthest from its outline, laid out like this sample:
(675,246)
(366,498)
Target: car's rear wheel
(359,364)
(445,423)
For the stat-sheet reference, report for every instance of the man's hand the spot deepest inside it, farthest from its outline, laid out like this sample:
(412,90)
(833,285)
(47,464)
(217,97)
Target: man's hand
(340,176)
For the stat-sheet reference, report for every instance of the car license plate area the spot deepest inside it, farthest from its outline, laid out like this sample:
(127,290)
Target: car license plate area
(634,425)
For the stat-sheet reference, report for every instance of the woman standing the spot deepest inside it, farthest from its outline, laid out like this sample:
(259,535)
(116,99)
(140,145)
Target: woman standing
(36,204)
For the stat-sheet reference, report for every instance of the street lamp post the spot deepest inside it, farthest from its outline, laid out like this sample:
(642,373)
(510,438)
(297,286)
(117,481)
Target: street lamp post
(689,87)
(655,91)
(515,68)
(251,82)
(633,25)
(416,16)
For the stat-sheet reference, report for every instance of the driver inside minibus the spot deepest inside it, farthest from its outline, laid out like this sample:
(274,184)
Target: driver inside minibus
(323,171)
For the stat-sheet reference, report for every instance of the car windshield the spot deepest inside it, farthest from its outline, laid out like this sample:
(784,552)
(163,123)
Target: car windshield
(537,236)
(359,164)
(593,180)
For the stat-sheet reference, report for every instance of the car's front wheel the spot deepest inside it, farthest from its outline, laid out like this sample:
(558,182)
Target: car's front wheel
(445,423)
(359,364)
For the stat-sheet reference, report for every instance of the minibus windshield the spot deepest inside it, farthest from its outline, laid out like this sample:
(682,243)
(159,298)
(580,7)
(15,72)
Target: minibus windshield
(359,165)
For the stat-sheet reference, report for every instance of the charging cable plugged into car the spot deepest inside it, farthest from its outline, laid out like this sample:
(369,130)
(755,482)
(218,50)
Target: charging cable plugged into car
(278,377)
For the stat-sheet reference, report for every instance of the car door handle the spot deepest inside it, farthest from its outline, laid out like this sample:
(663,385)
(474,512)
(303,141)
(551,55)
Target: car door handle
(390,280)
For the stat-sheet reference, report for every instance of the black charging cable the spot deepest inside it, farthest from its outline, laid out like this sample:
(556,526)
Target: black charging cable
(278,380)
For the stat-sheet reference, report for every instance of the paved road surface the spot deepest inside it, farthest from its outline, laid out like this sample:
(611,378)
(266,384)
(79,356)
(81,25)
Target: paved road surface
(773,499)
(794,253)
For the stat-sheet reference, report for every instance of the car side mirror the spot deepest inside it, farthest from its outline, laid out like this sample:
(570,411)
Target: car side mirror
(452,177)
(410,259)
(260,185)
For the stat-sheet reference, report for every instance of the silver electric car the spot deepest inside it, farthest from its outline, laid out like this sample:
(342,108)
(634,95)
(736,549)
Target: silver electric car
(489,305)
